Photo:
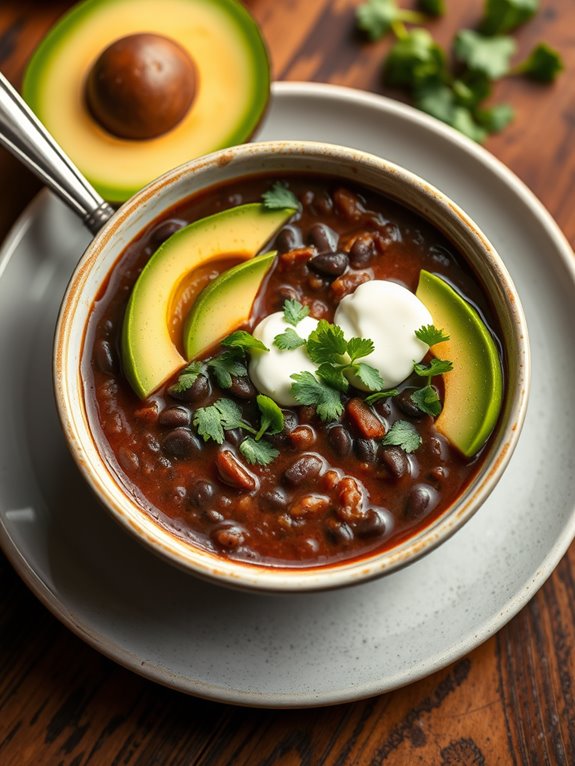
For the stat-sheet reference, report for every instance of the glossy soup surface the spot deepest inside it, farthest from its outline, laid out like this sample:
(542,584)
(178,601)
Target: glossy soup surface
(335,492)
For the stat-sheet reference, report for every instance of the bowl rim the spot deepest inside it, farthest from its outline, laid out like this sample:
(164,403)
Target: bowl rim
(262,577)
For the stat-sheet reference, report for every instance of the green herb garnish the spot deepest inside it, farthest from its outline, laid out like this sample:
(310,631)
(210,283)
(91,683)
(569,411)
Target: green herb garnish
(487,55)
(307,389)
(294,312)
(455,95)
(258,453)
(430,335)
(434,367)
(542,65)
(223,415)
(278,197)
(385,394)
(432,7)
(427,400)
(224,366)
(187,377)
(288,340)
(377,17)
(501,16)
(244,340)
(404,435)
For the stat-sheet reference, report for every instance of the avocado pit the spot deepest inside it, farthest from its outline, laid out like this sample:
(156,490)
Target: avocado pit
(141,86)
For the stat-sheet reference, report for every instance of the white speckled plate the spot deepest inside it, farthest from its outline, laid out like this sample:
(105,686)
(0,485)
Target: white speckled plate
(311,649)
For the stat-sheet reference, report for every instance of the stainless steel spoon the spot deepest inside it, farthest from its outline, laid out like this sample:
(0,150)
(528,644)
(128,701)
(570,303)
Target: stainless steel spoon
(28,140)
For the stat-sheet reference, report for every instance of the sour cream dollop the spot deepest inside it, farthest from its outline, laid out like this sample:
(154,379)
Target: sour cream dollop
(389,314)
(270,371)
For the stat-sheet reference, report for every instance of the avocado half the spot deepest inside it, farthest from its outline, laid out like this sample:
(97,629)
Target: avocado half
(233,84)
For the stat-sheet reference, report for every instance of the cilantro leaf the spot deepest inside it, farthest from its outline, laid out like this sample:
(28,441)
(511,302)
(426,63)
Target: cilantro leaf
(432,7)
(278,197)
(386,394)
(543,64)
(471,89)
(230,413)
(414,58)
(487,55)
(288,340)
(326,343)
(369,376)
(187,377)
(430,335)
(377,17)
(294,311)
(272,418)
(427,400)
(208,424)
(404,435)
(307,389)
(439,100)
(225,365)
(435,367)
(505,15)
(359,347)
(244,340)
(496,118)
(333,375)
(258,452)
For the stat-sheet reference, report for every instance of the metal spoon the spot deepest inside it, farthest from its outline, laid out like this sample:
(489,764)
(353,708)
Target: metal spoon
(28,140)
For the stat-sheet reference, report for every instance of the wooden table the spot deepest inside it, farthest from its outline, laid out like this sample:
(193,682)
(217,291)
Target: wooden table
(511,701)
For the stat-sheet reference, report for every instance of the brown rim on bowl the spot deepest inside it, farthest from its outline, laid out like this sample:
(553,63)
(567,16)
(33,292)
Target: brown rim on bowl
(255,159)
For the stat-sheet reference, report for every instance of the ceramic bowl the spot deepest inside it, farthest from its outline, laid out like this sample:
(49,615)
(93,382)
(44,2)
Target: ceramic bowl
(277,158)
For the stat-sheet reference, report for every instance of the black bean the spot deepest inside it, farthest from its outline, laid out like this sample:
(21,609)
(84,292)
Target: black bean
(361,253)
(329,264)
(366,450)
(338,531)
(164,231)
(288,239)
(440,255)
(340,440)
(201,493)
(403,401)
(128,459)
(421,500)
(104,357)
(235,436)
(395,460)
(175,417)
(180,442)
(373,524)
(242,387)
(199,390)
(273,500)
(303,470)
(324,238)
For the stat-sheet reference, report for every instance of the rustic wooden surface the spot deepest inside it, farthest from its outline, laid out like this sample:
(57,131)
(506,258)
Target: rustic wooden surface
(511,701)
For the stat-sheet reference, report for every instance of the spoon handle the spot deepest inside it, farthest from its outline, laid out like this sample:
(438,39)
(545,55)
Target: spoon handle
(27,139)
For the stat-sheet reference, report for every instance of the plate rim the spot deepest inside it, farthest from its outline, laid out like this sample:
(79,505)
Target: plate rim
(479,633)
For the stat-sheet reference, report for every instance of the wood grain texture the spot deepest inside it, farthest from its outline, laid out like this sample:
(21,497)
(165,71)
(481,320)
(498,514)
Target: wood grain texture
(511,701)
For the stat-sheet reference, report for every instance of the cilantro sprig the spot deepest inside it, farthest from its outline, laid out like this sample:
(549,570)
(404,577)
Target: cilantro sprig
(278,197)
(456,94)
(426,398)
(402,434)
(223,415)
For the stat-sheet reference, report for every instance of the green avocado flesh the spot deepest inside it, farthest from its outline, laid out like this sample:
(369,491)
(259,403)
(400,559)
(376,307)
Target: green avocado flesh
(474,388)
(224,304)
(232,75)
(149,355)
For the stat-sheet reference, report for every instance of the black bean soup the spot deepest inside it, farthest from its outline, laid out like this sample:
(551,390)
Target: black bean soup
(335,492)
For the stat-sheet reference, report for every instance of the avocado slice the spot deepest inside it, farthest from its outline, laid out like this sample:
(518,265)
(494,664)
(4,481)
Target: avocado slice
(231,94)
(474,388)
(149,355)
(224,304)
